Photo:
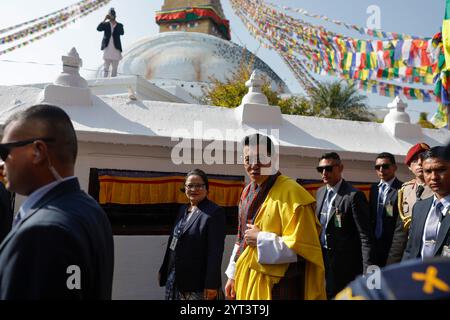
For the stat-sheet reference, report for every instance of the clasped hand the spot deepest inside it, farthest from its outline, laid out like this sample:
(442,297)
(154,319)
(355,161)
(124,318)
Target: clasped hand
(251,235)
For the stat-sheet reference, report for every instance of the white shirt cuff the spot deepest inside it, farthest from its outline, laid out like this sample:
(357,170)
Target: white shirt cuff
(231,269)
(273,250)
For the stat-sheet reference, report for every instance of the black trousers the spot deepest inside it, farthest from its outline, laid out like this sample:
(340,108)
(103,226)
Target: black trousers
(292,285)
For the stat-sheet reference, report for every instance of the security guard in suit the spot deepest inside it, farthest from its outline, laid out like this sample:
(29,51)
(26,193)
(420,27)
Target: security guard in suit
(384,205)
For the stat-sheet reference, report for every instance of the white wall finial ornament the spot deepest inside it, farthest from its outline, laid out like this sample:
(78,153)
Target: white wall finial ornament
(255,94)
(69,89)
(255,108)
(398,122)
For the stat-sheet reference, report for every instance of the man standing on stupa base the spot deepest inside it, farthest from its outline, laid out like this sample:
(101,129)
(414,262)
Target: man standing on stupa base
(111,43)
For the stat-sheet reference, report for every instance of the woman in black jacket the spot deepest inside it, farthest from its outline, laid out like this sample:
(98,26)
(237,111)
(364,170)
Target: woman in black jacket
(192,264)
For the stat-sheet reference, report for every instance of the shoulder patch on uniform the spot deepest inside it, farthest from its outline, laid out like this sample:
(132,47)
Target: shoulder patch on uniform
(408,183)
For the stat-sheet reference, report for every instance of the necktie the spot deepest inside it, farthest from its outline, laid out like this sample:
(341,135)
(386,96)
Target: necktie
(431,230)
(324,215)
(380,209)
(419,191)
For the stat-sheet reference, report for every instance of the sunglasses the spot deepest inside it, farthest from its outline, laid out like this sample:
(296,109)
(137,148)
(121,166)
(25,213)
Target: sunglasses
(384,166)
(326,168)
(5,149)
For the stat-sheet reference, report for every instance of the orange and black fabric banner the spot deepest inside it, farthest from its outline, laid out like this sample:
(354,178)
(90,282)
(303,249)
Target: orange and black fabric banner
(148,202)
(147,188)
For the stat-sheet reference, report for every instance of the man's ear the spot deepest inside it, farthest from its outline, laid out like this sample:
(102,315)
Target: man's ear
(40,149)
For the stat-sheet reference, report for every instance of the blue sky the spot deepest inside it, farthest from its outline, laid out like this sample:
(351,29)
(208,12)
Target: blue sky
(417,17)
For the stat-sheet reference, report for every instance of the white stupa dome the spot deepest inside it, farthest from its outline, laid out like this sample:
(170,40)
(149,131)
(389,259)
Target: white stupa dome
(189,60)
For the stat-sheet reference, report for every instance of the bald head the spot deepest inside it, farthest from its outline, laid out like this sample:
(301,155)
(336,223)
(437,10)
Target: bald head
(45,121)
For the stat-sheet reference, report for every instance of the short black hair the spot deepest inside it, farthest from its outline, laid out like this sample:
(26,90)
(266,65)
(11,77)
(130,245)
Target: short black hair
(258,139)
(196,172)
(436,152)
(447,152)
(331,155)
(386,155)
(57,126)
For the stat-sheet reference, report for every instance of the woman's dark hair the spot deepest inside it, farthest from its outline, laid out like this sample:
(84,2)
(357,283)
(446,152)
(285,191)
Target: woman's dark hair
(196,172)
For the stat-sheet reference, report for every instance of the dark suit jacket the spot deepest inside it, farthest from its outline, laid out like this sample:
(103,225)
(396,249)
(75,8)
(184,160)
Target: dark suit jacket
(199,250)
(420,214)
(383,245)
(349,250)
(118,31)
(399,240)
(65,228)
(6,213)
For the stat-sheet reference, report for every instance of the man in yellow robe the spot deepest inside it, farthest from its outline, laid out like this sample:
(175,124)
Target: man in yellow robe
(277,253)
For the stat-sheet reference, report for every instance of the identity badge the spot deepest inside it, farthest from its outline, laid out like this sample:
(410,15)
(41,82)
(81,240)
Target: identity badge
(174,243)
(338,219)
(389,210)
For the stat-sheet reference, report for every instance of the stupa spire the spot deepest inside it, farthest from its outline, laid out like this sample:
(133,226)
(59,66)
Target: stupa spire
(202,16)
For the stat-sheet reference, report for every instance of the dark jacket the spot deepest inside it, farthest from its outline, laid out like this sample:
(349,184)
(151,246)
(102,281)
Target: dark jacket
(65,228)
(399,240)
(349,250)
(6,212)
(199,250)
(118,31)
(420,214)
(400,237)
(383,245)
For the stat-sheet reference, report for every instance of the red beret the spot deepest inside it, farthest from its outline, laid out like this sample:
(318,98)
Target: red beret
(417,149)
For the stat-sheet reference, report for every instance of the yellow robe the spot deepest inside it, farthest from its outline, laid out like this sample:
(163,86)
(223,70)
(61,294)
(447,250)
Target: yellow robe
(288,212)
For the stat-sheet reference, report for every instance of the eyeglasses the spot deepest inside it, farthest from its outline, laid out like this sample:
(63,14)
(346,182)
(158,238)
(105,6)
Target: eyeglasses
(195,186)
(5,149)
(326,168)
(384,166)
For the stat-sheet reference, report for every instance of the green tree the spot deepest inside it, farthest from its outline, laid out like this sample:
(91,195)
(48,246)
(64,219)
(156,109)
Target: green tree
(339,100)
(230,93)
(329,100)
(295,105)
